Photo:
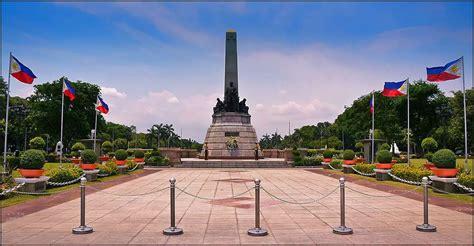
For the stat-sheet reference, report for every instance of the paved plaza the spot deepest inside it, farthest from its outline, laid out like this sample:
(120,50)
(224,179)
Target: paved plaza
(120,218)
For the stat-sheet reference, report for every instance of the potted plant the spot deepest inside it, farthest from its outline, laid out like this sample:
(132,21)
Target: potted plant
(327,154)
(429,161)
(445,163)
(31,164)
(76,152)
(120,156)
(348,157)
(88,157)
(139,156)
(384,157)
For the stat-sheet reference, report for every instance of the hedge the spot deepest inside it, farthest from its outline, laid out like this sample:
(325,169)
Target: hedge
(65,173)
(414,174)
(365,168)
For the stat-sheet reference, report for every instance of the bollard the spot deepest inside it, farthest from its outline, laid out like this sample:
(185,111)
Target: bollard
(342,229)
(83,229)
(173,230)
(425,227)
(257,231)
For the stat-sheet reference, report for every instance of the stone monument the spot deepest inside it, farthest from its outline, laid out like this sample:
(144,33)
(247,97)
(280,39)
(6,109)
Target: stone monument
(231,135)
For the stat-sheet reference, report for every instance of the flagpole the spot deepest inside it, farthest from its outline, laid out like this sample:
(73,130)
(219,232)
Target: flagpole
(95,129)
(373,125)
(62,121)
(6,117)
(466,168)
(408,121)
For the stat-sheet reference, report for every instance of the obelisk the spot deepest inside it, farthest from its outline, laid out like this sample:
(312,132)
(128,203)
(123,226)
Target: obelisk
(231,77)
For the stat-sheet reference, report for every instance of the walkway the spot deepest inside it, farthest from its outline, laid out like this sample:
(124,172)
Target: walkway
(140,220)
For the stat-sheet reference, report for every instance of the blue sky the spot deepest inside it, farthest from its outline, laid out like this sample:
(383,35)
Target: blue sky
(163,62)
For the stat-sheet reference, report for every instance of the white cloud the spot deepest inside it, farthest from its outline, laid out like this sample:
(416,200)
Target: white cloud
(112,92)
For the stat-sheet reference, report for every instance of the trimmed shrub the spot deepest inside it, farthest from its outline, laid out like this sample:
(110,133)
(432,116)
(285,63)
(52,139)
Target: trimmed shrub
(359,154)
(410,173)
(401,160)
(121,155)
(311,161)
(154,161)
(111,154)
(359,145)
(77,147)
(65,173)
(51,158)
(384,156)
(107,147)
(429,156)
(444,158)
(312,152)
(384,146)
(327,154)
(109,168)
(297,157)
(429,144)
(88,156)
(348,154)
(336,164)
(32,159)
(120,143)
(130,164)
(365,168)
(139,154)
(466,180)
(37,143)
(74,154)
(13,162)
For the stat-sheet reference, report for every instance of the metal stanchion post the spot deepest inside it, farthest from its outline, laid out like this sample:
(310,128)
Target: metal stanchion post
(425,227)
(342,229)
(173,230)
(83,229)
(257,231)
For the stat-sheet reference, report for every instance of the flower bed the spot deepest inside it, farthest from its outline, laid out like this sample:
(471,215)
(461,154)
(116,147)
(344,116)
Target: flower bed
(466,180)
(365,168)
(65,173)
(406,172)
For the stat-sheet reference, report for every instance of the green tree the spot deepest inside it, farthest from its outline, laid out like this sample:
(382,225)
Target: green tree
(120,143)
(79,115)
(37,143)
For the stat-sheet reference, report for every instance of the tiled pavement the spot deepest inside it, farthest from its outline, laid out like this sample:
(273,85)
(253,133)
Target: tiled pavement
(141,219)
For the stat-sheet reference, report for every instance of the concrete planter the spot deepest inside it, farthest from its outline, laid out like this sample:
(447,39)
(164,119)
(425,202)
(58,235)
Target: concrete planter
(444,184)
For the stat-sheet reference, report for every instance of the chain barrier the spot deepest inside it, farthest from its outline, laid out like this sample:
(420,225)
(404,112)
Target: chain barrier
(404,180)
(392,195)
(465,188)
(329,164)
(449,193)
(65,183)
(115,194)
(299,203)
(32,193)
(13,189)
(361,173)
(212,199)
(133,169)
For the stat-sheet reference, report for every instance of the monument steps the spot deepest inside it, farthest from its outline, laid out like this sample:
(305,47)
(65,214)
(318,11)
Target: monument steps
(229,163)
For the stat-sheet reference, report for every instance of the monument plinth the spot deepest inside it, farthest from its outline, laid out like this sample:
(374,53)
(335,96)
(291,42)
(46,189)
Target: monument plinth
(231,134)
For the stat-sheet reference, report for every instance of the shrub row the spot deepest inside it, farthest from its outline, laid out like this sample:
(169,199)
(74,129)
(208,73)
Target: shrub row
(64,173)
(365,168)
(466,180)
(414,174)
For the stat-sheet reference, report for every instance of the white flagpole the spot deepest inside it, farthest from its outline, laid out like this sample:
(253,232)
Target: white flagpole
(62,121)
(466,168)
(408,121)
(95,128)
(373,125)
(6,116)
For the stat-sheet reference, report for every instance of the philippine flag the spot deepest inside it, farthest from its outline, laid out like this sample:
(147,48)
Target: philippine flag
(20,71)
(449,71)
(372,104)
(101,106)
(68,90)
(395,89)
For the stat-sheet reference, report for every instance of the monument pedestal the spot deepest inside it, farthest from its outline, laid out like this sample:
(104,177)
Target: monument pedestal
(382,174)
(445,184)
(34,185)
(91,175)
(225,127)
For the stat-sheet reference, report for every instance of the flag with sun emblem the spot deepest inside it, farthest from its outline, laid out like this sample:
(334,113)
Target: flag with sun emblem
(21,72)
(452,70)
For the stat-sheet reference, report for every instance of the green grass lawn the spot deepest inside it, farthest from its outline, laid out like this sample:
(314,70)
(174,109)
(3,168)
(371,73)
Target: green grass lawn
(457,197)
(18,198)
(459,163)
